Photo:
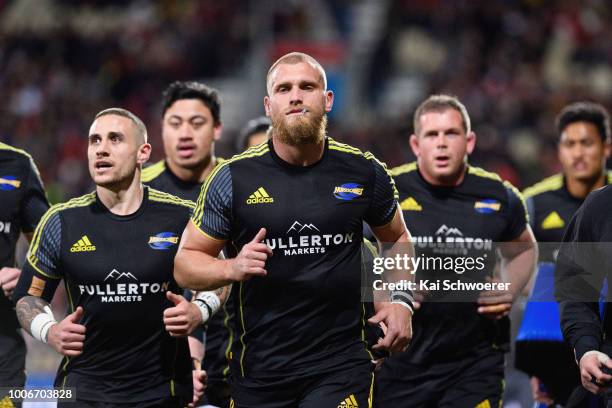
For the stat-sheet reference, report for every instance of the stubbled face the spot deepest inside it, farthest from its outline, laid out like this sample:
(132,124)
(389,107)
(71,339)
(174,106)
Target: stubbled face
(441,145)
(188,133)
(115,151)
(297,104)
(582,152)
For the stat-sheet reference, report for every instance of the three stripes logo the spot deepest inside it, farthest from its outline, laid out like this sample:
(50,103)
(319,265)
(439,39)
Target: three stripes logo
(83,245)
(260,196)
(349,402)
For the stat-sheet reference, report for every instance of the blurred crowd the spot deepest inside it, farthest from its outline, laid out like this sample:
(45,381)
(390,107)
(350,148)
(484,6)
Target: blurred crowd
(514,64)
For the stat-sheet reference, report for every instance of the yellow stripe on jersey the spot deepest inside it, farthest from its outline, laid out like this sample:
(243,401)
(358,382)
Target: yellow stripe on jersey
(4,146)
(370,156)
(520,197)
(609,176)
(480,172)
(255,151)
(243,330)
(334,145)
(162,197)
(82,201)
(551,183)
(152,172)
(404,168)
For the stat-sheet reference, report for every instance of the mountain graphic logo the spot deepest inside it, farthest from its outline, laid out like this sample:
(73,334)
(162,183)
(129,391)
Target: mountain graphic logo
(299,227)
(444,230)
(116,275)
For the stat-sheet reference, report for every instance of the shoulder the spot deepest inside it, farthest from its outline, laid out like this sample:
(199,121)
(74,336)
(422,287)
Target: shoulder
(153,171)
(61,209)
(163,198)
(15,152)
(404,169)
(547,185)
(599,200)
(489,183)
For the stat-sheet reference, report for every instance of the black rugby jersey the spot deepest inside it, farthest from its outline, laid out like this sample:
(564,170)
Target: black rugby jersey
(118,268)
(22,203)
(306,315)
(551,207)
(476,214)
(583,264)
(219,333)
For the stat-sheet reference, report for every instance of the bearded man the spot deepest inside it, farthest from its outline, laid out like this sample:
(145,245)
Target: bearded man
(289,213)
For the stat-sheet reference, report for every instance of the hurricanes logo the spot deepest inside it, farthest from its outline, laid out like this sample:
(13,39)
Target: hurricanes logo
(349,402)
(487,206)
(260,196)
(9,183)
(348,191)
(83,245)
(163,240)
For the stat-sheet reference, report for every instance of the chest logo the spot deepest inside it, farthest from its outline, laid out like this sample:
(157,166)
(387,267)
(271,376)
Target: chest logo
(348,191)
(83,245)
(260,196)
(163,240)
(487,206)
(552,221)
(9,183)
(410,204)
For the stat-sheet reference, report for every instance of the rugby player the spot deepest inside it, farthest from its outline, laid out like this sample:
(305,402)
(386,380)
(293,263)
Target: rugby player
(114,249)
(584,146)
(191,123)
(290,212)
(451,208)
(22,204)
(253,133)
(583,264)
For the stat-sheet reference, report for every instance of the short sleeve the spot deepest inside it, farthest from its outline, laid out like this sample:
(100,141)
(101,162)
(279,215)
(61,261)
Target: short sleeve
(39,275)
(212,214)
(384,197)
(35,202)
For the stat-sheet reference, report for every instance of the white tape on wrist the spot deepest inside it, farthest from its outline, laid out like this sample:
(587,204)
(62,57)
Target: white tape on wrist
(208,303)
(41,324)
(602,357)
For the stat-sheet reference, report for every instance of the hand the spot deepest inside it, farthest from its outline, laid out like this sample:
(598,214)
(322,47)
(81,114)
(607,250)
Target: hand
(67,336)
(199,385)
(398,322)
(538,394)
(593,379)
(495,304)
(419,298)
(8,280)
(251,259)
(183,318)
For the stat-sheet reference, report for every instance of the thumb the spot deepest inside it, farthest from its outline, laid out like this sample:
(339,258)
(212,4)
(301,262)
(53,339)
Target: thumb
(174,298)
(260,236)
(75,317)
(377,318)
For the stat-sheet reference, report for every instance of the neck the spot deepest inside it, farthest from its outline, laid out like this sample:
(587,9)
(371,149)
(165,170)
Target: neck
(122,200)
(303,155)
(448,181)
(196,174)
(581,188)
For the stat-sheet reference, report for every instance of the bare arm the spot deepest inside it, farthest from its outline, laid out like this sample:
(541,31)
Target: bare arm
(27,308)
(197,267)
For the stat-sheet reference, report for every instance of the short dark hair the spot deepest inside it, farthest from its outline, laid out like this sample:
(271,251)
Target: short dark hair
(440,103)
(140,126)
(260,124)
(585,112)
(193,90)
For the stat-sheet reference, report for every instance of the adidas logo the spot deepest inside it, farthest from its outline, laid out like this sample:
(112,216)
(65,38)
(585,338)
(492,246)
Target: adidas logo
(260,196)
(410,204)
(83,245)
(349,402)
(553,220)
